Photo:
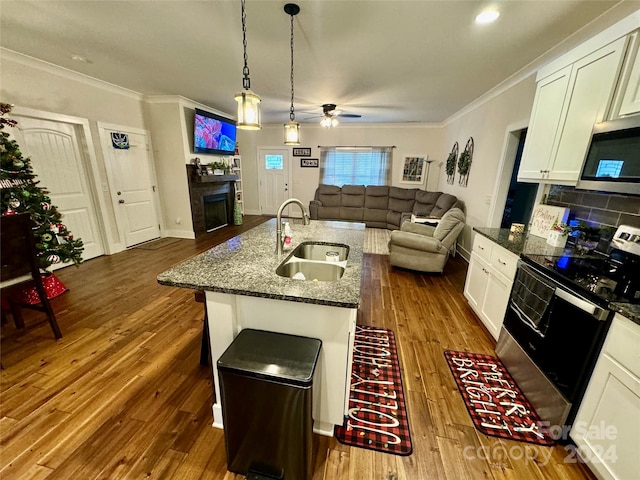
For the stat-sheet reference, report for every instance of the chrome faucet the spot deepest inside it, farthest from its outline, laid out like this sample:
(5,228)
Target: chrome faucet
(305,216)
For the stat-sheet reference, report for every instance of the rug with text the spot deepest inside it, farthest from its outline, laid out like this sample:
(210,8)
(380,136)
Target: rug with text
(495,403)
(377,411)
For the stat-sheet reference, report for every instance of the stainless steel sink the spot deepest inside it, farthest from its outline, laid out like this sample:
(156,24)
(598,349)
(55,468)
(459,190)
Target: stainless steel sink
(322,251)
(310,270)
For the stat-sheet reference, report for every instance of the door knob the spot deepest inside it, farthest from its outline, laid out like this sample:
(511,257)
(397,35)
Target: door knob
(121,201)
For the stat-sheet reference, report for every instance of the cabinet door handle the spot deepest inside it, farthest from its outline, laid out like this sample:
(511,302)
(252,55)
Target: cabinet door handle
(481,248)
(503,263)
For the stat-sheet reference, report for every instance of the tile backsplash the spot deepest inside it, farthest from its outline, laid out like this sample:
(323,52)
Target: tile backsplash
(599,209)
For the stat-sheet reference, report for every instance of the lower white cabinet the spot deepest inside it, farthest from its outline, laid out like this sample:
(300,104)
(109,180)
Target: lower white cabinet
(606,430)
(489,280)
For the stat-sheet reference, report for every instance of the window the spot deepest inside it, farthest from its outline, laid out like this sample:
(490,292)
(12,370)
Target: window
(355,166)
(273,162)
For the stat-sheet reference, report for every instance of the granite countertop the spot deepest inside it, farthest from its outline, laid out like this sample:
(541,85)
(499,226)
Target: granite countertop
(246,265)
(629,310)
(519,243)
(524,244)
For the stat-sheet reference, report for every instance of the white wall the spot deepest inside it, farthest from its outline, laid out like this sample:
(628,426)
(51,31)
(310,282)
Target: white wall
(31,83)
(410,139)
(489,125)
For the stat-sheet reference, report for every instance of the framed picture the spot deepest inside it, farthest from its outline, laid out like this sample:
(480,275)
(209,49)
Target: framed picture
(301,152)
(413,169)
(309,162)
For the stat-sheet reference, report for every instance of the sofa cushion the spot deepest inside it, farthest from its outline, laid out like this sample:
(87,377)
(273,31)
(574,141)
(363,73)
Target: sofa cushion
(425,203)
(377,197)
(394,219)
(329,195)
(445,203)
(449,221)
(329,213)
(375,215)
(401,199)
(353,196)
(352,213)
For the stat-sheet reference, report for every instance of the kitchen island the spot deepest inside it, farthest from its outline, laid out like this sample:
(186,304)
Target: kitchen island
(242,291)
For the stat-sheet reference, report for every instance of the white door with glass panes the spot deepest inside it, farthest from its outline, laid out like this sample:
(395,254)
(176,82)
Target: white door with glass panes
(273,169)
(131,177)
(60,167)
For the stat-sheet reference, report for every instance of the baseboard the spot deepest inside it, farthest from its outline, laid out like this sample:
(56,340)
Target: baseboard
(189,234)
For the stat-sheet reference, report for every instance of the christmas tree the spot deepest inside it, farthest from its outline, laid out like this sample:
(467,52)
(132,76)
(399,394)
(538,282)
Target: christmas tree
(20,193)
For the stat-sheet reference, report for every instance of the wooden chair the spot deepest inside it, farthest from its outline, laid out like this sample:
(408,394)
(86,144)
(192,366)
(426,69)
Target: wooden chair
(20,268)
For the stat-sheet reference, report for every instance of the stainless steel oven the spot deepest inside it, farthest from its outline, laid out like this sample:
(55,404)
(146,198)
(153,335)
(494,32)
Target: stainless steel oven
(550,341)
(558,317)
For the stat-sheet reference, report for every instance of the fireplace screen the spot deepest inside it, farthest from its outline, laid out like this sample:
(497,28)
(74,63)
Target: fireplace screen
(215,211)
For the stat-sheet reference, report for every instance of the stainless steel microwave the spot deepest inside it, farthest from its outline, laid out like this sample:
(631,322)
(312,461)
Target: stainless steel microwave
(612,163)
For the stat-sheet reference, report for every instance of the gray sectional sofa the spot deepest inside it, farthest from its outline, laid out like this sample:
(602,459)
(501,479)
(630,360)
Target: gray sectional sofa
(378,206)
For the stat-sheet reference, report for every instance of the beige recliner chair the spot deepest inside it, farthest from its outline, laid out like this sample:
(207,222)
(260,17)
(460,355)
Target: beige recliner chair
(423,247)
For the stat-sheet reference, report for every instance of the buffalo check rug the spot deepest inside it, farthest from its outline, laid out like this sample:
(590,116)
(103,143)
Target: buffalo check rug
(495,403)
(377,417)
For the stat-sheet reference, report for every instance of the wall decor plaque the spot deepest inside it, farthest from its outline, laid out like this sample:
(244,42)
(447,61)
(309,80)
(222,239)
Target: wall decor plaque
(309,162)
(301,152)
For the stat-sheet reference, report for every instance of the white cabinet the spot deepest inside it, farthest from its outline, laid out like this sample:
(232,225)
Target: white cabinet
(567,104)
(606,430)
(489,279)
(237,170)
(630,82)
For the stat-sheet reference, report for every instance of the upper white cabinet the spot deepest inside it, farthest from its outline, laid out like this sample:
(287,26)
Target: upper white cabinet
(567,104)
(628,101)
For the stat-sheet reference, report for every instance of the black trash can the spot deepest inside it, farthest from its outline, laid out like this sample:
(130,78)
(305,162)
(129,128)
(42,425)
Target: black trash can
(266,381)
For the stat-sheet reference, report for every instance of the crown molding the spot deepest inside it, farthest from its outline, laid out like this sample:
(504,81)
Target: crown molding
(184,102)
(67,73)
(612,32)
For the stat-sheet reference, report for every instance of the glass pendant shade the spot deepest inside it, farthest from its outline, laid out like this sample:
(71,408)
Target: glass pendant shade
(292,133)
(329,121)
(248,110)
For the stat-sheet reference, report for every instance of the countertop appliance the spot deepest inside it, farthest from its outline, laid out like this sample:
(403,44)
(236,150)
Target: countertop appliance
(612,162)
(558,317)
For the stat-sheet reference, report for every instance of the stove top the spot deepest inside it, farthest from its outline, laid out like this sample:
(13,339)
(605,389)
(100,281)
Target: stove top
(603,277)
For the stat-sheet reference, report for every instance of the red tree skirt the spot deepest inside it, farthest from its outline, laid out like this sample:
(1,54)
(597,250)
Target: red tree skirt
(28,294)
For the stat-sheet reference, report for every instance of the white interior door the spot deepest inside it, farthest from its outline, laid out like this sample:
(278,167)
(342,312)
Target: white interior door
(54,149)
(131,176)
(273,169)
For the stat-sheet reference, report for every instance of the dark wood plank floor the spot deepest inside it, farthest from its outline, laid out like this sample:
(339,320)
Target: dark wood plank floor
(122,394)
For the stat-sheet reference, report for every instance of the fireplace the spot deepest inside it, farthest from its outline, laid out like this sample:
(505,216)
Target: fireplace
(211,198)
(215,212)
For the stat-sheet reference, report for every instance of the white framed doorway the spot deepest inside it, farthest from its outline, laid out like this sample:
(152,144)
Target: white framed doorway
(274,178)
(132,183)
(62,157)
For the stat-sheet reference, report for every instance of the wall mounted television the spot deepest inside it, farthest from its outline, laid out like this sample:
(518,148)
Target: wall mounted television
(213,134)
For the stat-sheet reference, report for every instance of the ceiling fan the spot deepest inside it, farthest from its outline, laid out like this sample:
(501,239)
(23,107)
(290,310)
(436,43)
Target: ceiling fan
(330,114)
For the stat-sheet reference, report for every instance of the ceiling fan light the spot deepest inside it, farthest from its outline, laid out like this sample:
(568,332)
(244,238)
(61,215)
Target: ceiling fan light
(334,122)
(248,110)
(292,133)
(325,122)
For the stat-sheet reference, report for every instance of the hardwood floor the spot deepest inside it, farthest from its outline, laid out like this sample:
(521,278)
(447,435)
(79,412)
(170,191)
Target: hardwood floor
(122,394)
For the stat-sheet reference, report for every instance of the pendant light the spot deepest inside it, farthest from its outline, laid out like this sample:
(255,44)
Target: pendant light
(248,102)
(292,128)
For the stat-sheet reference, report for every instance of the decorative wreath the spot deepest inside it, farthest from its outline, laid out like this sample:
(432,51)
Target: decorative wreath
(451,163)
(464,162)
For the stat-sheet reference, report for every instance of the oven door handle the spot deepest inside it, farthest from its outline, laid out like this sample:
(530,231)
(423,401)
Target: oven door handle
(584,305)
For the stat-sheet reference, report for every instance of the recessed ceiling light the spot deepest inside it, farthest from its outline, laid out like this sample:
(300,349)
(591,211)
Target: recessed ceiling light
(488,16)
(80,58)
